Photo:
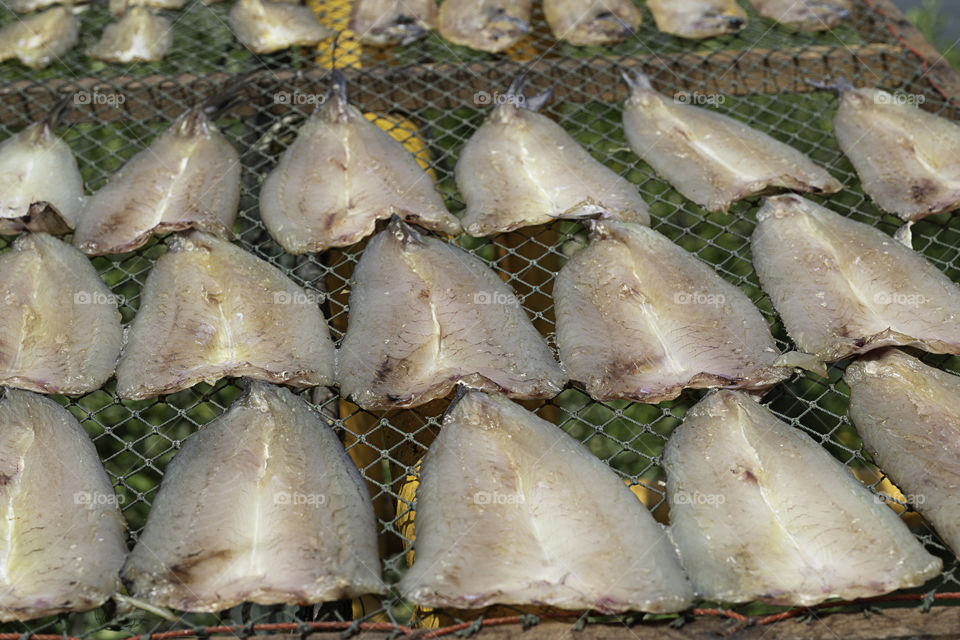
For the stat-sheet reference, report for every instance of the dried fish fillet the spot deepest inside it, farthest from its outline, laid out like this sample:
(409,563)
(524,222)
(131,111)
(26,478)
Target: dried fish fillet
(908,415)
(592,22)
(189,177)
(512,510)
(141,35)
(387,22)
(907,159)
(40,185)
(62,533)
(40,39)
(341,175)
(843,287)
(424,315)
(487,25)
(521,168)
(262,505)
(808,15)
(221,312)
(264,27)
(639,318)
(59,324)
(760,511)
(29,6)
(696,19)
(711,158)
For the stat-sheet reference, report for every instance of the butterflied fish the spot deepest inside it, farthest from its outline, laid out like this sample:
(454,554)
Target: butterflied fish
(341,175)
(843,287)
(512,510)
(261,505)
(487,25)
(59,324)
(808,15)
(62,534)
(908,160)
(221,312)
(189,177)
(592,22)
(40,39)
(695,19)
(711,158)
(521,168)
(639,318)
(386,22)
(264,27)
(760,511)
(141,35)
(425,314)
(908,415)
(40,185)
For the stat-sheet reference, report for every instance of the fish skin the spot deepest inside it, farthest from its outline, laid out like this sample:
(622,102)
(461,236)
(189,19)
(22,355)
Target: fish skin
(908,414)
(425,315)
(807,15)
(222,312)
(738,161)
(873,291)
(40,185)
(814,532)
(905,157)
(592,22)
(188,178)
(264,27)
(38,40)
(520,168)
(341,175)
(389,22)
(141,35)
(261,505)
(485,25)
(62,539)
(59,325)
(624,333)
(697,19)
(567,532)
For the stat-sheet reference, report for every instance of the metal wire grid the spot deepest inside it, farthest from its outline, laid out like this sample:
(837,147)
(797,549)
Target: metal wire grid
(137,439)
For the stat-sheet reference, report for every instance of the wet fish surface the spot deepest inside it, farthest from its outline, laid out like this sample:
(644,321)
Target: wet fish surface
(187,178)
(62,531)
(40,39)
(512,510)
(341,175)
(760,511)
(486,25)
(424,315)
(221,312)
(264,27)
(388,22)
(907,159)
(261,505)
(639,318)
(908,414)
(696,19)
(521,168)
(843,287)
(40,184)
(59,325)
(141,35)
(592,22)
(713,159)
(807,15)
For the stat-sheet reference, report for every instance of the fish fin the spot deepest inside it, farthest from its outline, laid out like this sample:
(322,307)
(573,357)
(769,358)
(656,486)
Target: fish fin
(801,360)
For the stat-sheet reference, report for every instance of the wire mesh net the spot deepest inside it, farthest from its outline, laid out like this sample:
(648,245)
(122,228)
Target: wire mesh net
(432,96)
